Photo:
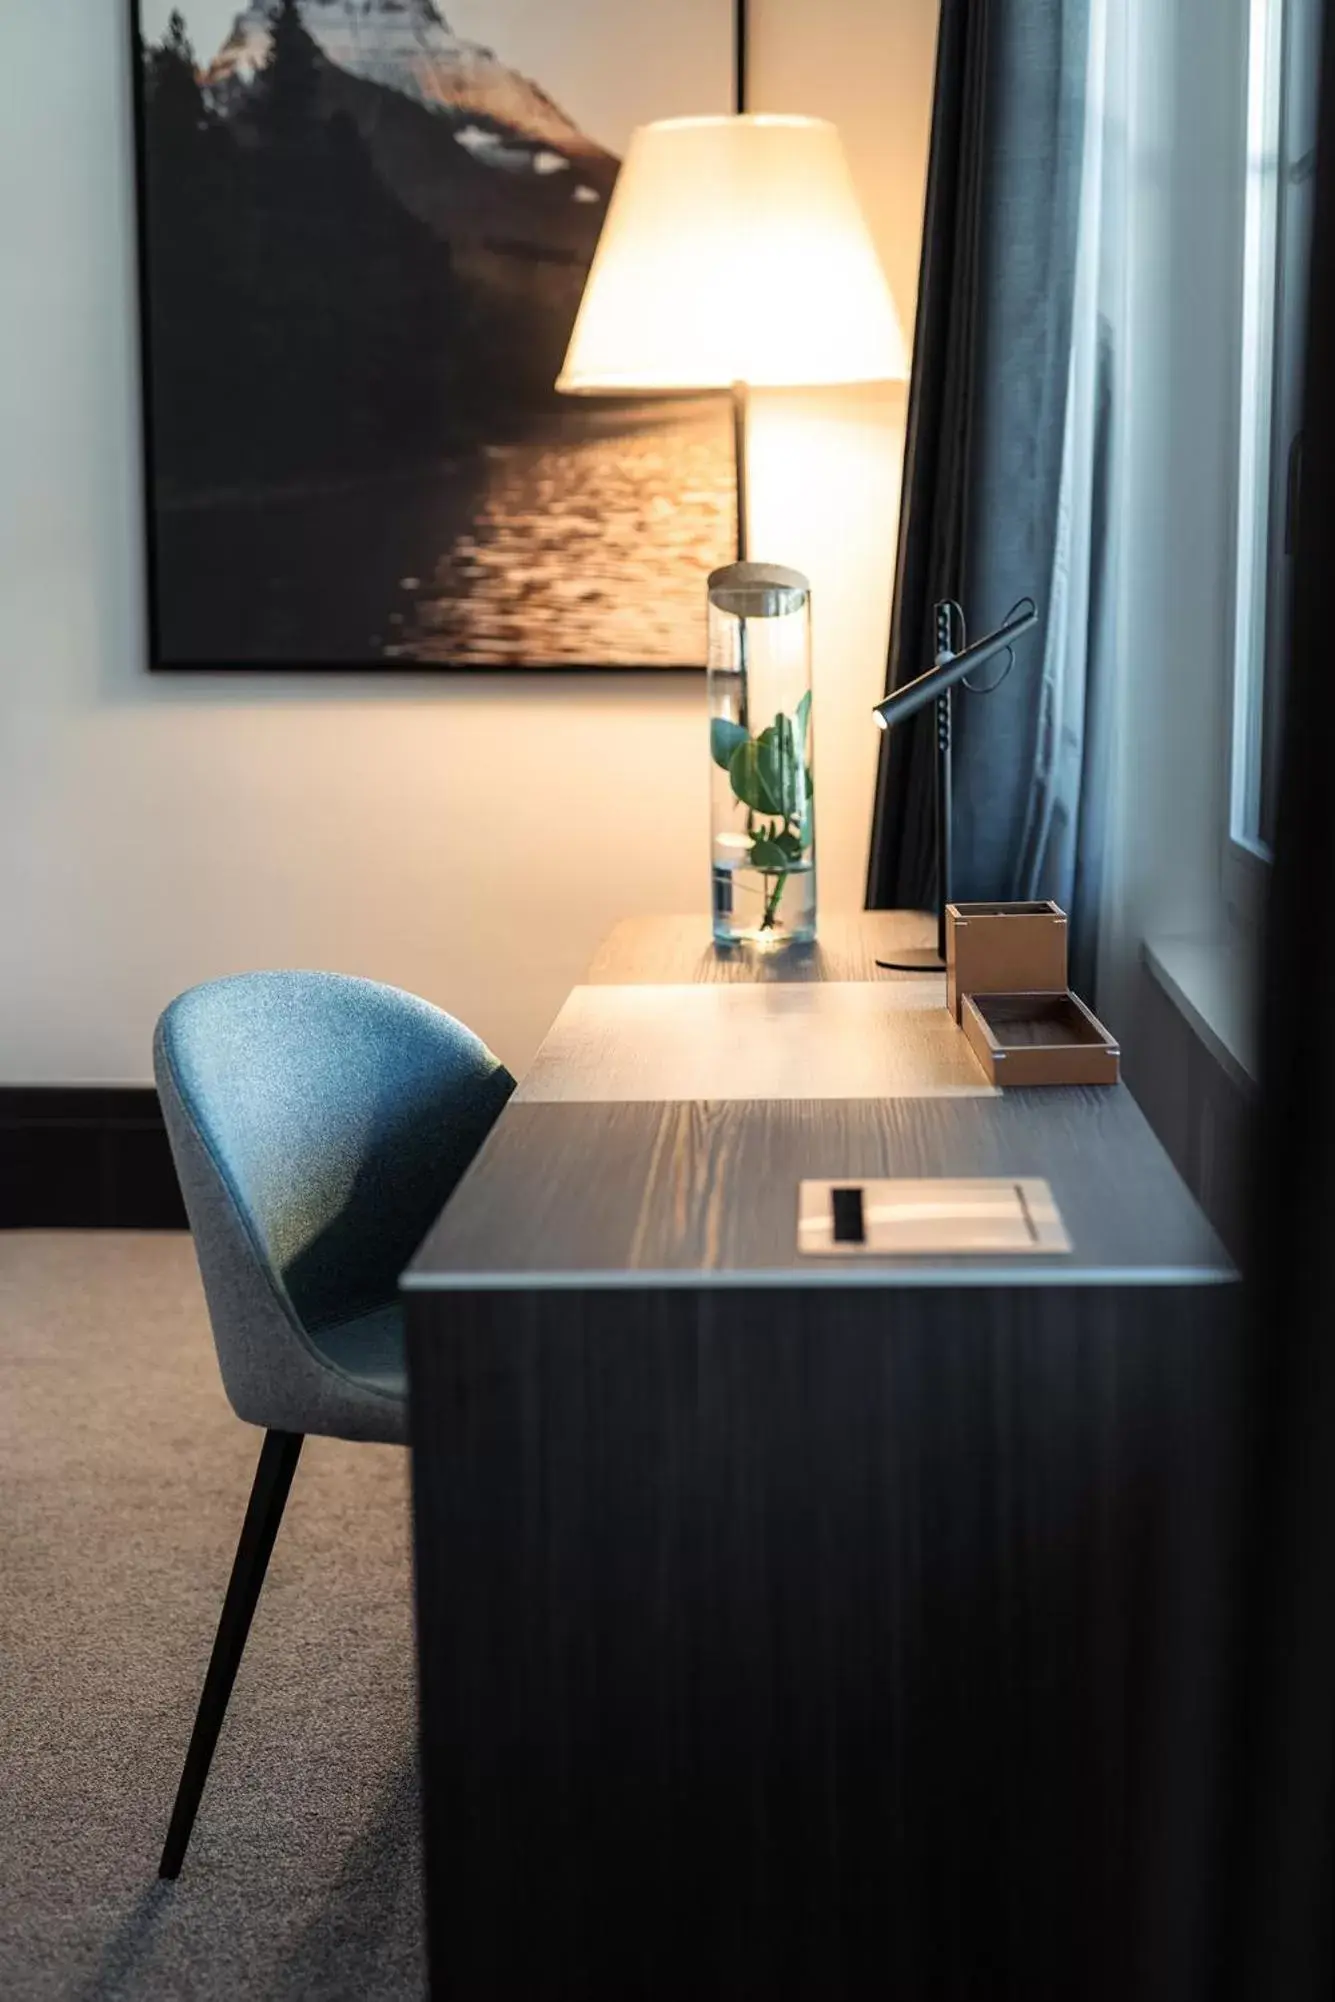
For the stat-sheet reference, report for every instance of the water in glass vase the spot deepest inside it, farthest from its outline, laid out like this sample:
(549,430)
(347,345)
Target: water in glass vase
(756,907)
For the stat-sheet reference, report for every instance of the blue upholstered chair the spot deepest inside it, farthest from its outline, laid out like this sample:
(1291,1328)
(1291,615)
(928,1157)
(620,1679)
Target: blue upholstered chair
(318,1123)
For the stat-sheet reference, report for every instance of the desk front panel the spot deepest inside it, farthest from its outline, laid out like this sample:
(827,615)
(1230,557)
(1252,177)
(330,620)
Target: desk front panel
(826,1646)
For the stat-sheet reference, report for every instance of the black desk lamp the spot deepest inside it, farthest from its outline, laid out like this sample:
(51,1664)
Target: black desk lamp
(936,686)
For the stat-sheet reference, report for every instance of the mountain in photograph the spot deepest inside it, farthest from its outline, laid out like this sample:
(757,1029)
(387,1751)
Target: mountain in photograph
(408,46)
(381,228)
(471,148)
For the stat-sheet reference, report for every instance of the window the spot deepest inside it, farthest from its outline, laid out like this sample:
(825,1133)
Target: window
(1283,77)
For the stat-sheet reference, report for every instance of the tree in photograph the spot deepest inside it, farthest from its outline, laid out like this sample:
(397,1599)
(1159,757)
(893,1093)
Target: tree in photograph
(351,343)
(172,86)
(187,190)
(290,81)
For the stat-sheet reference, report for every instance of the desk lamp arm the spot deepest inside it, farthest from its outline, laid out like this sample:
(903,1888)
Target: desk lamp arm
(936,685)
(950,668)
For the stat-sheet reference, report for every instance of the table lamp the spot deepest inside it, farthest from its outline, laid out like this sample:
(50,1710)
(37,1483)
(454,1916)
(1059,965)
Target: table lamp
(735,255)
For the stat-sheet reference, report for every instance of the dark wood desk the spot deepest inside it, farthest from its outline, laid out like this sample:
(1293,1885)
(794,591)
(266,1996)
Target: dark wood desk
(791,1628)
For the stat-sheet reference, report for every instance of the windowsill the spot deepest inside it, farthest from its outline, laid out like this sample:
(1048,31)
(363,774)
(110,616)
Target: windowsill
(1210,979)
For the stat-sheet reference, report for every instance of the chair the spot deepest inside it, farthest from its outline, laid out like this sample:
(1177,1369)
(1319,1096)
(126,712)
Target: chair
(317,1123)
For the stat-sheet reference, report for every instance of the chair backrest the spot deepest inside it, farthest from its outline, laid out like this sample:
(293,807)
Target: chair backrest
(318,1123)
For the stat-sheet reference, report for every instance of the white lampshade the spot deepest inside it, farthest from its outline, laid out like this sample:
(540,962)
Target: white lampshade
(734,251)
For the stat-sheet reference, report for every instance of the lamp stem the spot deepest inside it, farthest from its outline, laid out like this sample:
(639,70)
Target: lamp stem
(927,959)
(739,410)
(740,51)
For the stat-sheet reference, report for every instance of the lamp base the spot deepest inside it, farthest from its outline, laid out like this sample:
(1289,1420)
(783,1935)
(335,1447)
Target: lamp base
(918,959)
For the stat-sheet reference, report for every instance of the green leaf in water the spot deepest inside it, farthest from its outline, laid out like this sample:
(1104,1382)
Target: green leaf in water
(780,768)
(748,770)
(770,773)
(724,737)
(803,722)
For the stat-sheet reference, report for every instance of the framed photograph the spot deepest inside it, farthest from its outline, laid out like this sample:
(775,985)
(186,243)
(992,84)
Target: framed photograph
(364,231)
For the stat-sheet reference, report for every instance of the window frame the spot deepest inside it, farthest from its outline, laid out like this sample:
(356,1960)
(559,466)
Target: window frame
(1274,292)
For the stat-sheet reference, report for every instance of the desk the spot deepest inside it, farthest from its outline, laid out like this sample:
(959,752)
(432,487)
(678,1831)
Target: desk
(793,1628)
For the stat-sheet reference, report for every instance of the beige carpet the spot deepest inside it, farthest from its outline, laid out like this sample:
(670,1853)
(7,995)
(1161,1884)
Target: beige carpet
(123,1478)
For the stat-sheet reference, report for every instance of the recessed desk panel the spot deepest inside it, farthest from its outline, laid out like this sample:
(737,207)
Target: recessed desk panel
(754,1040)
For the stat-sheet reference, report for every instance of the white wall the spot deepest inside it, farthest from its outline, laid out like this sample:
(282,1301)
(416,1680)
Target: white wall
(468,839)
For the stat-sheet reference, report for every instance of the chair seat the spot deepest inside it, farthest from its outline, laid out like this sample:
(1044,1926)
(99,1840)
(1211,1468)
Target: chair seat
(369,1348)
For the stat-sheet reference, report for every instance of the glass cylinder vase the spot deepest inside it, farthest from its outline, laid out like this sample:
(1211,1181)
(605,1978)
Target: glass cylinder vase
(763,824)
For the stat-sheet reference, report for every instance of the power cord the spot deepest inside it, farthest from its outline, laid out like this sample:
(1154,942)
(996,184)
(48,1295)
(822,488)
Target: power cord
(1020,605)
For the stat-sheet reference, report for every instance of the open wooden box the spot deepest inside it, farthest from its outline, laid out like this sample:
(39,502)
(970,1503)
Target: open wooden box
(1030,1039)
(1004,949)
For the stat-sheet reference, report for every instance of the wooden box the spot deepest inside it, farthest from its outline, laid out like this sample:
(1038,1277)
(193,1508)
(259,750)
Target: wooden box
(1029,1039)
(1004,949)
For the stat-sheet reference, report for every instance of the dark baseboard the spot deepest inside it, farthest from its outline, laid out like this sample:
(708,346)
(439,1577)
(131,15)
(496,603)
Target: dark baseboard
(86,1157)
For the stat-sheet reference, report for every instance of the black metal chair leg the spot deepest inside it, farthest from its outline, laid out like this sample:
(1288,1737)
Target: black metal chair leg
(264,1512)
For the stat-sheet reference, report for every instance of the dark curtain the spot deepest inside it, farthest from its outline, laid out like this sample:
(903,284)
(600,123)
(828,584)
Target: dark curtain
(1278,1945)
(988,467)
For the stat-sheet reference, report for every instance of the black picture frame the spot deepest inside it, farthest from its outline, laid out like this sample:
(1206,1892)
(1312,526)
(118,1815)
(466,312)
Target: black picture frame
(230,664)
